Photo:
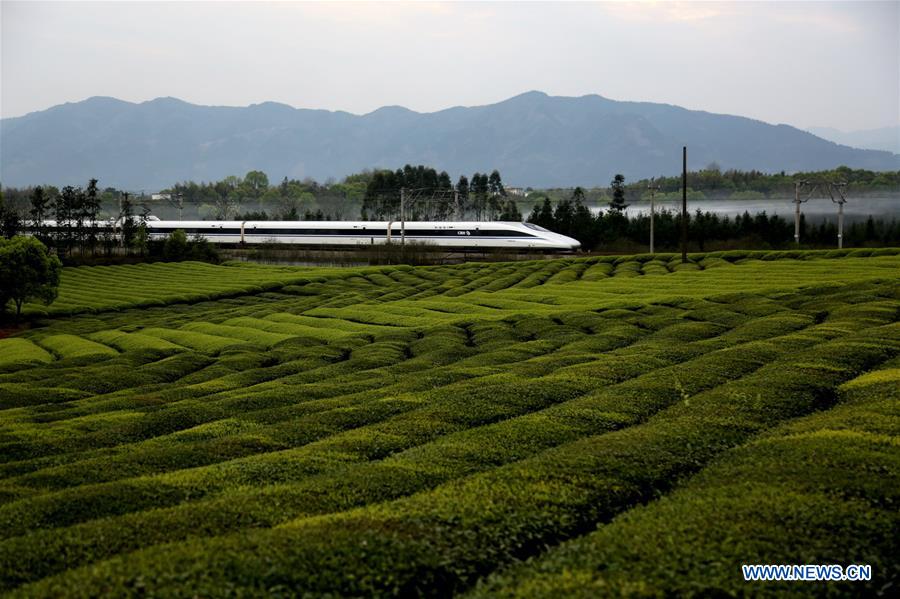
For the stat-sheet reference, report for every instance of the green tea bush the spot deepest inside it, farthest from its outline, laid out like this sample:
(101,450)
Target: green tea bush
(630,268)
(133,341)
(477,449)
(71,346)
(567,275)
(597,271)
(540,276)
(767,501)
(211,344)
(444,538)
(17,352)
(713,262)
(654,267)
(248,334)
(414,430)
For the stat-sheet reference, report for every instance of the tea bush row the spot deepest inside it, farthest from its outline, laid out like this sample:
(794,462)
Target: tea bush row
(470,450)
(444,539)
(767,501)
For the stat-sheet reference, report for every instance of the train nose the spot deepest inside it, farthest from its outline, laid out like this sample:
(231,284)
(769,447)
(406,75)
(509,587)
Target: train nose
(569,243)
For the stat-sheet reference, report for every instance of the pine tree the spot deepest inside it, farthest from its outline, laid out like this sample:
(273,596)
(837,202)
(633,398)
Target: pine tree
(618,188)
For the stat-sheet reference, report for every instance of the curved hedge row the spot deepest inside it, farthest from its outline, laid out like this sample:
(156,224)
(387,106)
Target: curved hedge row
(765,502)
(422,430)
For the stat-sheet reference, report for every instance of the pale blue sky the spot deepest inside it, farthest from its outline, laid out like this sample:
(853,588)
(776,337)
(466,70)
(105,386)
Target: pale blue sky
(801,63)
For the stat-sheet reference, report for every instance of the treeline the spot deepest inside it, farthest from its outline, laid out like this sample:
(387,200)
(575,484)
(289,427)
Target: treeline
(716,181)
(429,195)
(80,225)
(291,199)
(613,229)
(432,195)
(369,195)
(250,197)
(84,232)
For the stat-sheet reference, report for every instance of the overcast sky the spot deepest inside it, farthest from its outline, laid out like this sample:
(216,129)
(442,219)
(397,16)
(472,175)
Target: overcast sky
(801,63)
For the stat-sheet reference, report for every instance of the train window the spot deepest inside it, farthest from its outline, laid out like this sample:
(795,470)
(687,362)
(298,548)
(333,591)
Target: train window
(536,227)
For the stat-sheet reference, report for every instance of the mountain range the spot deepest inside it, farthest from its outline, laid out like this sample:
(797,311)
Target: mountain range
(533,139)
(883,138)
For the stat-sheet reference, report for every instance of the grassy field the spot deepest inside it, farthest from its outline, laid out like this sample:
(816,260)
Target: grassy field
(593,426)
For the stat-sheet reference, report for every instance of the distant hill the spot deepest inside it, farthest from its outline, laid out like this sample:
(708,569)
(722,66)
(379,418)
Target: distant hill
(884,138)
(533,139)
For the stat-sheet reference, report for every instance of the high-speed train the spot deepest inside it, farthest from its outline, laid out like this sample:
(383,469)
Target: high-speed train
(461,234)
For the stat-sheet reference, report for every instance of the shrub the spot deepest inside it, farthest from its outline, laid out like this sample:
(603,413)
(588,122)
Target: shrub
(16,352)
(71,346)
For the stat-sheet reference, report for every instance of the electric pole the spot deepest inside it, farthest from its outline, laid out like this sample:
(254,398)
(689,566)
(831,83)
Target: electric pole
(684,204)
(798,187)
(402,216)
(839,188)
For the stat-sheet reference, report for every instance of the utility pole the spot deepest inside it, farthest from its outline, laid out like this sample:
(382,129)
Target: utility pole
(684,204)
(798,187)
(402,216)
(175,200)
(839,188)
(456,203)
(653,189)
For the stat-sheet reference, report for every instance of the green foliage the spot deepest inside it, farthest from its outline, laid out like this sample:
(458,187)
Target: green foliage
(767,501)
(176,246)
(17,352)
(618,194)
(72,346)
(752,184)
(27,272)
(576,426)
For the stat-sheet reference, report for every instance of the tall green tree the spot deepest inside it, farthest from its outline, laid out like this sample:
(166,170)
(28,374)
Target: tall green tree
(495,184)
(39,212)
(255,184)
(27,272)
(479,190)
(510,212)
(462,193)
(126,222)
(564,217)
(64,208)
(496,193)
(9,218)
(618,194)
(142,232)
(90,210)
(542,215)
(578,196)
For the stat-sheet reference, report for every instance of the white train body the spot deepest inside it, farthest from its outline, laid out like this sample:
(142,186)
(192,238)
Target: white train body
(461,235)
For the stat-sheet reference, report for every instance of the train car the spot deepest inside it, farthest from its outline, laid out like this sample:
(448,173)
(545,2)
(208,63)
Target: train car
(452,235)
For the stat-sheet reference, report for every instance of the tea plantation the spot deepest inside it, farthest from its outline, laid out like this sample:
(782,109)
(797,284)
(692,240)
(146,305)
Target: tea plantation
(572,427)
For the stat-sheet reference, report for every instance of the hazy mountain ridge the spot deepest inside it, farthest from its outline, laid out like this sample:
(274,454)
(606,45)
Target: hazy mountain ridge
(883,138)
(533,139)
